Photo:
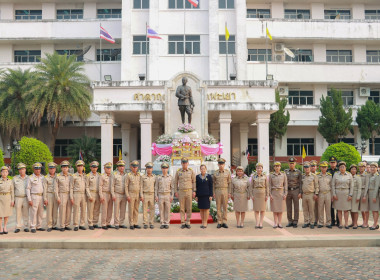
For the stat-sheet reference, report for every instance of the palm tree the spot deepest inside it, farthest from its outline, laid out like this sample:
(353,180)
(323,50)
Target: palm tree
(62,91)
(89,146)
(15,91)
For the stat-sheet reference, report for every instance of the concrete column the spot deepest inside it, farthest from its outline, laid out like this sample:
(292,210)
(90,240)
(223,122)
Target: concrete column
(225,135)
(359,53)
(244,129)
(126,141)
(154,45)
(48,11)
(89,10)
(241,40)
(280,146)
(277,9)
(358,11)
(106,127)
(6,53)
(320,144)
(146,137)
(126,50)
(213,39)
(133,144)
(214,130)
(91,54)
(263,119)
(6,11)
(319,52)
(317,11)
(46,49)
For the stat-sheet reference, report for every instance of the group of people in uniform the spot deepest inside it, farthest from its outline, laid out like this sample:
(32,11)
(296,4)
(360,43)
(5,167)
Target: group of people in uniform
(69,197)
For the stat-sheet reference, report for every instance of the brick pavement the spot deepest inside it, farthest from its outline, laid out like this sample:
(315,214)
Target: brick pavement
(306,263)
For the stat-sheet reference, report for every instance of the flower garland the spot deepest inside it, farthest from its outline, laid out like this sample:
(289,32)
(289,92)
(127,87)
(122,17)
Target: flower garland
(186,128)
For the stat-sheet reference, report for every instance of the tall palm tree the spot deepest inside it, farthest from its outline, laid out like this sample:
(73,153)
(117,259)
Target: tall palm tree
(15,91)
(62,91)
(88,146)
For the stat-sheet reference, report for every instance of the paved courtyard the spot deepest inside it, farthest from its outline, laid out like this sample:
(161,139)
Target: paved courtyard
(306,263)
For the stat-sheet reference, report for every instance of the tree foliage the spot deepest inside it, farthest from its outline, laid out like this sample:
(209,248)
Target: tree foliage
(1,158)
(343,152)
(334,122)
(89,147)
(368,119)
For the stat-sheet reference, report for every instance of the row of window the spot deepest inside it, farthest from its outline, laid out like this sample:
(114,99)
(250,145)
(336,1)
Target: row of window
(60,149)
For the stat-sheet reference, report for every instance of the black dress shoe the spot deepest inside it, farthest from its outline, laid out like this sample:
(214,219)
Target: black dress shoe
(151,226)
(123,226)
(295,225)
(17,230)
(67,228)
(188,226)
(137,226)
(280,226)
(26,229)
(315,224)
(105,228)
(1,232)
(319,226)
(91,228)
(225,225)
(33,230)
(305,225)
(167,226)
(82,228)
(110,226)
(132,227)
(41,229)
(49,229)
(62,229)
(145,226)
(329,226)
(347,227)
(312,226)
(55,228)
(117,227)
(96,226)
(162,226)
(219,226)
(183,226)
(5,232)
(76,229)
(289,224)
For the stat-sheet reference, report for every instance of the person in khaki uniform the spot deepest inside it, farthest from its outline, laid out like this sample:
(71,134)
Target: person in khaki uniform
(222,185)
(184,187)
(294,177)
(78,193)
(373,194)
(278,190)
(309,193)
(163,192)
(106,195)
(52,206)
(62,195)
(93,201)
(356,194)
(240,194)
(324,197)
(364,198)
(259,194)
(120,205)
(35,191)
(313,169)
(147,194)
(21,202)
(132,191)
(6,199)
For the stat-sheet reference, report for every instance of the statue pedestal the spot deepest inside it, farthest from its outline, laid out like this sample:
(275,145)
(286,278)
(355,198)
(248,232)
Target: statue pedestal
(180,135)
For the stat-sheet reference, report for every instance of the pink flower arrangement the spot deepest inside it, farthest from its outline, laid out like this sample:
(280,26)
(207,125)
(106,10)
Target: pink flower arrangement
(186,128)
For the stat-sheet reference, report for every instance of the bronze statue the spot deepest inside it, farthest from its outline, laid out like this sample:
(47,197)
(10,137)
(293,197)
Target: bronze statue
(185,100)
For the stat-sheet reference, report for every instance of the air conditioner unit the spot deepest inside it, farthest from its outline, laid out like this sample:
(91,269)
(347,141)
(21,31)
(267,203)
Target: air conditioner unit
(279,57)
(283,90)
(279,47)
(364,91)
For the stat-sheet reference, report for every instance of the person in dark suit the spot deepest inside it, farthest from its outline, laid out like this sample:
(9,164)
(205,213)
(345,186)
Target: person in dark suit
(203,194)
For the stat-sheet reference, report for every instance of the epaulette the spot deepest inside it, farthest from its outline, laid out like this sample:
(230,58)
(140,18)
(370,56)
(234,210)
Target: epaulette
(88,175)
(190,168)
(282,172)
(272,173)
(59,174)
(179,169)
(317,173)
(129,173)
(115,173)
(45,176)
(328,173)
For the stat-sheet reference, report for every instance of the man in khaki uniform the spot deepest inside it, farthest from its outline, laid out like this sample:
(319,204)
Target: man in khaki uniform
(222,185)
(106,195)
(62,195)
(52,206)
(93,202)
(324,197)
(184,187)
(35,191)
(78,192)
(21,202)
(313,169)
(118,188)
(294,177)
(132,191)
(164,192)
(309,192)
(147,194)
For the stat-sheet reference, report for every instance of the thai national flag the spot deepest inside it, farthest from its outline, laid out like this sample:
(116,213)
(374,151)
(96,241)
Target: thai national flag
(152,34)
(106,36)
(80,155)
(194,3)
(247,153)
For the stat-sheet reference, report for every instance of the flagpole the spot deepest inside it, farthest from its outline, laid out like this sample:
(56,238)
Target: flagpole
(226,52)
(100,40)
(266,51)
(184,37)
(146,51)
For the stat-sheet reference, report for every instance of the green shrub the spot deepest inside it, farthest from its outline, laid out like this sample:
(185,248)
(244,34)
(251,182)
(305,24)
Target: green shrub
(32,151)
(1,158)
(343,152)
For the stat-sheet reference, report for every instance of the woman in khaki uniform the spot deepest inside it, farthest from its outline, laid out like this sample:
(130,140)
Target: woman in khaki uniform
(373,194)
(342,187)
(364,198)
(259,194)
(356,194)
(240,195)
(278,189)
(6,199)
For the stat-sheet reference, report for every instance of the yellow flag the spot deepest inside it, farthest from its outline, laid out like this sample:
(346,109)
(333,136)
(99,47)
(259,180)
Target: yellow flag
(227,34)
(303,152)
(268,34)
(120,156)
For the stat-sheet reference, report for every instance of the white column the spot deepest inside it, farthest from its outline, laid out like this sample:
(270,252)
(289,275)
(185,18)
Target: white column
(146,137)
(7,11)
(126,50)
(319,51)
(126,141)
(241,40)
(317,11)
(263,119)
(320,143)
(47,49)
(358,11)
(106,127)
(213,39)
(277,9)
(214,130)
(89,10)
(133,144)
(225,135)
(244,129)
(359,53)
(48,11)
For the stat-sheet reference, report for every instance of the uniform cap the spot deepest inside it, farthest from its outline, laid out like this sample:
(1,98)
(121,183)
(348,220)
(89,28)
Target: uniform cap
(277,163)
(306,164)
(108,165)
(135,163)
(292,159)
(324,164)
(259,164)
(240,168)
(184,159)
(149,165)
(221,161)
(333,159)
(374,164)
(52,165)
(120,163)
(362,164)
(4,168)
(164,165)
(65,163)
(353,165)
(79,162)
(37,165)
(314,163)
(21,165)
(94,164)
(342,163)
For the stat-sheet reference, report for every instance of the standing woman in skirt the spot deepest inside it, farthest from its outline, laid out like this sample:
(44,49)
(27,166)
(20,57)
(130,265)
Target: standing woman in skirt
(373,194)
(364,197)
(6,199)
(240,193)
(259,194)
(204,194)
(342,187)
(278,189)
(356,194)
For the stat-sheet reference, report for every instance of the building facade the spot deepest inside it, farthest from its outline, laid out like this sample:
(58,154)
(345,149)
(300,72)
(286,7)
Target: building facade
(336,44)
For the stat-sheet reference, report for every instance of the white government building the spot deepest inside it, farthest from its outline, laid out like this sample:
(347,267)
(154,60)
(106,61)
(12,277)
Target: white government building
(336,45)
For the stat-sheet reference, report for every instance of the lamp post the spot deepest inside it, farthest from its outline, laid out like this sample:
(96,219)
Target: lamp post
(13,150)
(362,148)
